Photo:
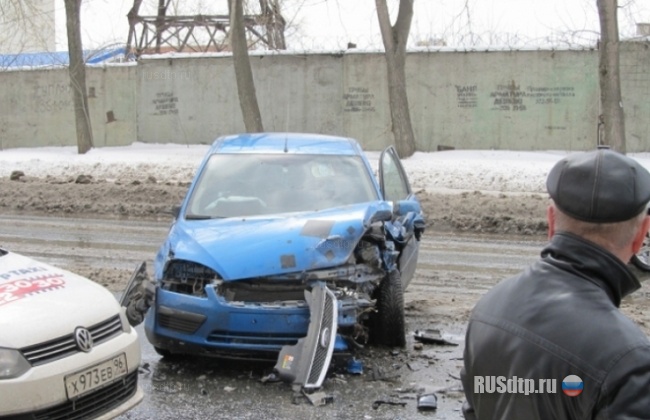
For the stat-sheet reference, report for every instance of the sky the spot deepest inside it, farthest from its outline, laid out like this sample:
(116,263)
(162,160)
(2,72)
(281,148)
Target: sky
(331,24)
(451,171)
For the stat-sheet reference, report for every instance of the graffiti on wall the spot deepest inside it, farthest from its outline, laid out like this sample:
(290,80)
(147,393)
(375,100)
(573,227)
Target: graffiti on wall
(550,95)
(52,97)
(511,97)
(358,99)
(165,104)
(508,97)
(466,95)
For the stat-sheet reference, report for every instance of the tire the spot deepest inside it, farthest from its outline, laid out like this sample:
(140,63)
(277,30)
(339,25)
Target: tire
(388,324)
(165,353)
(642,259)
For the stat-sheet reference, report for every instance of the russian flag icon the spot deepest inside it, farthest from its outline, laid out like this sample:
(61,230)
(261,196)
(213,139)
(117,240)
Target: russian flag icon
(572,386)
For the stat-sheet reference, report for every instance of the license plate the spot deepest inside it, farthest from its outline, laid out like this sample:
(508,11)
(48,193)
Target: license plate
(96,376)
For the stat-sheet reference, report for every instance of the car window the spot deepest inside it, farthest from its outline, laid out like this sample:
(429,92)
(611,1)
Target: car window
(394,183)
(232,185)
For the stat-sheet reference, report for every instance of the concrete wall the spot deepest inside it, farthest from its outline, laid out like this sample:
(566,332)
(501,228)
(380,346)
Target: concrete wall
(518,100)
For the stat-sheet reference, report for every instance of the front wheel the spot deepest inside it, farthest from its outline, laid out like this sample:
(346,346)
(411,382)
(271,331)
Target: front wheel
(168,355)
(388,324)
(162,352)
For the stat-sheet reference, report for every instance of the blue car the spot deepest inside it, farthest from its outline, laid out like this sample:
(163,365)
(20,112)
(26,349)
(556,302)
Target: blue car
(269,218)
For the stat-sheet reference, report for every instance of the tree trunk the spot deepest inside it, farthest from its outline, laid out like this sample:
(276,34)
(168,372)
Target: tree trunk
(609,77)
(243,73)
(395,38)
(77,71)
(275,24)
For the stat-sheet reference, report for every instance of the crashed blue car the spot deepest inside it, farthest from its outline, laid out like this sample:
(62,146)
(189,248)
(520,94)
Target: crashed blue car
(271,223)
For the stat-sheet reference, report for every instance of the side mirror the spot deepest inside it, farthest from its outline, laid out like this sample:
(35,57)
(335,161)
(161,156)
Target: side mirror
(403,207)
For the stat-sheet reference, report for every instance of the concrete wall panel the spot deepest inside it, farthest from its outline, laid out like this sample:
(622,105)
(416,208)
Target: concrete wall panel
(635,89)
(112,101)
(186,100)
(36,109)
(364,102)
(503,100)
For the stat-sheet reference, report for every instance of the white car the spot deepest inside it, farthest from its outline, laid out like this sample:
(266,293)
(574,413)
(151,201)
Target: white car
(66,347)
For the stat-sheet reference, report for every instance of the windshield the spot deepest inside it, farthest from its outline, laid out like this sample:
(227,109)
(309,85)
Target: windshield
(234,185)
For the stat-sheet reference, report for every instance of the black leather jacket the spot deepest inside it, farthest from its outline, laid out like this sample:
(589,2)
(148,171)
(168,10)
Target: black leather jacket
(559,317)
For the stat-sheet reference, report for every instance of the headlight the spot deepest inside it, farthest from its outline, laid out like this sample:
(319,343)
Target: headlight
(12,364)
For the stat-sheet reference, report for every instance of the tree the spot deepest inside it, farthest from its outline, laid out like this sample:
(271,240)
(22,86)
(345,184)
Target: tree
(609,76)
(77,72)
(26,26)
(243,73)
(394,38)
(275,24)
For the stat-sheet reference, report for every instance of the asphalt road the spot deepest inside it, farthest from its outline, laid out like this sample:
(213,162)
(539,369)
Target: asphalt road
(453,271)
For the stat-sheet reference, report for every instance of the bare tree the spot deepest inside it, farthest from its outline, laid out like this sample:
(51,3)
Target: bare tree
(243,73)
(275,23)
(394,38)
(77,71)
(26,26)
(609,76)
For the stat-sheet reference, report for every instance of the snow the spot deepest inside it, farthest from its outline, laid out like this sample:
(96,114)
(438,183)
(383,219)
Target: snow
(446,171)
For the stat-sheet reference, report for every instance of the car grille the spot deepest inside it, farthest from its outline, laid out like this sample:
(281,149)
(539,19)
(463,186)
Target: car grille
(66,346)
(182,321)
(94,404)
(320,360)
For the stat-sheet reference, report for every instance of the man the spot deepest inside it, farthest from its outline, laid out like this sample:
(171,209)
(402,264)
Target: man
(551,343)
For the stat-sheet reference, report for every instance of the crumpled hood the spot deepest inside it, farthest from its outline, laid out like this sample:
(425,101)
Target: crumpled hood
(39,302)
(241,248)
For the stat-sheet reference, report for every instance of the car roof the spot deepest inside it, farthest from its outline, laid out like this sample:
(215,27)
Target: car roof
(286,143)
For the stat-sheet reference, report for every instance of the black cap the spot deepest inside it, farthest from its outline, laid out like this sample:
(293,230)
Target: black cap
(601,186)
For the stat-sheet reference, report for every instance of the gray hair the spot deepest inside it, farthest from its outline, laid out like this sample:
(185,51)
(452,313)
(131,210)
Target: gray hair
(611,236)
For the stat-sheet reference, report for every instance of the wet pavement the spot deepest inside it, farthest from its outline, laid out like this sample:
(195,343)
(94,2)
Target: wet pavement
(388,387)
(453,272)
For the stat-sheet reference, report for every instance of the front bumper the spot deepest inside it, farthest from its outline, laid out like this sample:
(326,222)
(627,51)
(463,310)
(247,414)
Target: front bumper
(41,392)
(211,326)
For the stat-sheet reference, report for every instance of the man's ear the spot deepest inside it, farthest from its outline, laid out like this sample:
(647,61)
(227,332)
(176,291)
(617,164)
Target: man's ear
(550,219)
(640,235)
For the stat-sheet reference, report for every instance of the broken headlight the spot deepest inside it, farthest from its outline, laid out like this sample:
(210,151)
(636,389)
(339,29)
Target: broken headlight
(188,278)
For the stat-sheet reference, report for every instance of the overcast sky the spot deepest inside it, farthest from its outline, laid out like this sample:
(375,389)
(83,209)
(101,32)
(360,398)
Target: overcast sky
(331,24)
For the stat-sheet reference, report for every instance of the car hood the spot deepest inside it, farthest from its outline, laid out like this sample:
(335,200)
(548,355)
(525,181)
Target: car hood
(241,248)
(39,302)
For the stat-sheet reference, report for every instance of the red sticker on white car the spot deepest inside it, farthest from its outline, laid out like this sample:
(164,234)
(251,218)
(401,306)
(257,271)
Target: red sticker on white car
(20,288)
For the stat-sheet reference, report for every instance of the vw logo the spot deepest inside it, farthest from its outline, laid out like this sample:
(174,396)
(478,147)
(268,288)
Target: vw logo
(84,339)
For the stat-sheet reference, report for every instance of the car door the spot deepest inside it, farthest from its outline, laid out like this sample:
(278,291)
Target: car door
(407,213)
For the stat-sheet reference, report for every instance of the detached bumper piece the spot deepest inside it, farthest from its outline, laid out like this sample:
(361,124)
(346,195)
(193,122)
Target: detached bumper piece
(138,295)
(305,364)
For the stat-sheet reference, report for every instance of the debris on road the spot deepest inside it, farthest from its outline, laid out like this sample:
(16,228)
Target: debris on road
(318,398)
(377,403)
(431,336)
(427,402)
(378,374)
(355,366)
